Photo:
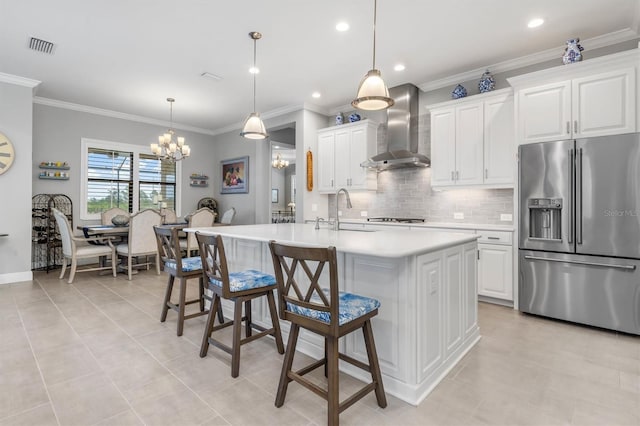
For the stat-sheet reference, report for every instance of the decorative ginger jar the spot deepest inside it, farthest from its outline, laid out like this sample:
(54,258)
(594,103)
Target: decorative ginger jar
(339,119)
(486,83)
(572,51)
(354,117)
(459,92)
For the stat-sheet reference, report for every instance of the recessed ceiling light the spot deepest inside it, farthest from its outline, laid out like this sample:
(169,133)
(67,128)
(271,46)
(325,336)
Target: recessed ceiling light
(342,26)
(276,146)
(315,95)
(399,67)
(535,22)
(254,70)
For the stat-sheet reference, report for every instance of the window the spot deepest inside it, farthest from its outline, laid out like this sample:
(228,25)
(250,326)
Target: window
(125,176)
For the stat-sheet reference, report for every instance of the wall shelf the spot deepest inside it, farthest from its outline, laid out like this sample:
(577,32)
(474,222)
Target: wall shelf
(54,177)
(42,166)
(198,180)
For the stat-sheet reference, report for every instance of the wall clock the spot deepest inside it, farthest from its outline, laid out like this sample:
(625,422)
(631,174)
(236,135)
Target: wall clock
(7,153)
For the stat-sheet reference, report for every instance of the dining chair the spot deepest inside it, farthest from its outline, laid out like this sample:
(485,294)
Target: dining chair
(241,288)
(203,217)
(168,216)
(329,313)
(74,248)
(227,216)
(182,268)
(107,215)
(141,240)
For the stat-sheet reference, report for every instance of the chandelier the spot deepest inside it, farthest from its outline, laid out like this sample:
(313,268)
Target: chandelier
(167,149)
(279,163)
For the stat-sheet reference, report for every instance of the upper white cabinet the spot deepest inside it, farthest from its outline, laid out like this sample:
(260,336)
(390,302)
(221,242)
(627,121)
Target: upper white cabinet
(341,149)
(472,141)
(596,97)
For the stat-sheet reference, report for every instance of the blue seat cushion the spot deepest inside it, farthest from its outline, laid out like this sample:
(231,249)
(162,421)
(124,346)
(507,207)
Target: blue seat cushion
(189,264)
(247,280)
(351,306)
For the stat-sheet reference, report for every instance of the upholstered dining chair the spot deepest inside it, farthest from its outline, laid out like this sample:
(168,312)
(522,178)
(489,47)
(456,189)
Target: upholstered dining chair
(141,240)
(182,268)
(327,312)
(200,218)
(74,248)
(227,216)
(107,215)
(241,288)
(168,216)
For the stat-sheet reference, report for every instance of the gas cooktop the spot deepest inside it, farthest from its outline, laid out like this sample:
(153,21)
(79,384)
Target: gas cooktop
(395,219)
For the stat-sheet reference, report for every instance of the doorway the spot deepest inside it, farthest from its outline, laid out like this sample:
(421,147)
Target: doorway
(283,175)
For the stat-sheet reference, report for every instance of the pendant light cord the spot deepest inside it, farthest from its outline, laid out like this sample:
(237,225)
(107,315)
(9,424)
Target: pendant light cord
(375,8)
(255,71)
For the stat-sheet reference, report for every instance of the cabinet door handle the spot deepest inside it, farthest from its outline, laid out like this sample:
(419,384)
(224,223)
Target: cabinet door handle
(332,183)
(457,175)
(568,127)
(453,176)
(486,173)
(575,126)
(493,238)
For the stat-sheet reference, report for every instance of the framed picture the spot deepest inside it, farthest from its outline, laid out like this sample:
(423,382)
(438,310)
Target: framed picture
(274,195)
(235,176)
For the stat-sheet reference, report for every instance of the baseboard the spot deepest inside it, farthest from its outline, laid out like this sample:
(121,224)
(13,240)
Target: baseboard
(16,277)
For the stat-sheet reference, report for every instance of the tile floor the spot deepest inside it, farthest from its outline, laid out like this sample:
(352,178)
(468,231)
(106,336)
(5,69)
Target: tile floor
(94,352)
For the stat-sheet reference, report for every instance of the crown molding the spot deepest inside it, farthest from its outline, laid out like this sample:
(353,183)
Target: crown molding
(115,114)
(535,58)
(17,80)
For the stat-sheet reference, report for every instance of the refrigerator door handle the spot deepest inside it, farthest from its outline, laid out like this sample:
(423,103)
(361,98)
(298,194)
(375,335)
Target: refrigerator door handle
(577,262)
(578,197)
(571,195)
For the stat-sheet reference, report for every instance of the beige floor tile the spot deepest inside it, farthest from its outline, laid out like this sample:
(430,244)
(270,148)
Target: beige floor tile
(135,371)
(41,415)
(20,396)
(128,418)
(630,382)
(164,345)
(201,374)
(181,407)
(587,414)
(42,313)
(103,336)
(46,338)
(86,400)
(66,363)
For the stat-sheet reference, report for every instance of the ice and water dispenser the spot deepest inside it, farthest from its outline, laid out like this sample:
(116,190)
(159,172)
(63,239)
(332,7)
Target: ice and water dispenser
(544,218)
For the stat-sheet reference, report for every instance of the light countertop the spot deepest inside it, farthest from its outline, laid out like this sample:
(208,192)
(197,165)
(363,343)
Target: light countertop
(452,225)
(384,243)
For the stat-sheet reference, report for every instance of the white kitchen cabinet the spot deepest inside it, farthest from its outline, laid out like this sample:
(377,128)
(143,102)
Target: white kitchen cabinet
(472,141)
(341,149)
(590,100)
(495,265)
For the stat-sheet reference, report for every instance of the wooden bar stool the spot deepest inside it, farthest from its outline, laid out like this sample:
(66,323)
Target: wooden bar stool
(183,269)
(241,288)
(327,312)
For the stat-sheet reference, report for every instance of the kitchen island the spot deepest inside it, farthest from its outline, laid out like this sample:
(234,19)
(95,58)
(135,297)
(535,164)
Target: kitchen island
(425,280)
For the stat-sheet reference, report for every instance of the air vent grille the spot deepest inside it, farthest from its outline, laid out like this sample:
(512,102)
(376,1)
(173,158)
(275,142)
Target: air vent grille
(40,45)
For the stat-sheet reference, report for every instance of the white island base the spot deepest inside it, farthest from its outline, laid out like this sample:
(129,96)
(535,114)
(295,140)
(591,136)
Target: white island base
(425,280)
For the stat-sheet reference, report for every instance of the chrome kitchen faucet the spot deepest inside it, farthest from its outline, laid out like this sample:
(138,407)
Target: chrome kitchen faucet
(336,224)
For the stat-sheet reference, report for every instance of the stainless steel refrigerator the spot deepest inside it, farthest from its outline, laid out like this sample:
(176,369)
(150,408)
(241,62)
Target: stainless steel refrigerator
(579,254)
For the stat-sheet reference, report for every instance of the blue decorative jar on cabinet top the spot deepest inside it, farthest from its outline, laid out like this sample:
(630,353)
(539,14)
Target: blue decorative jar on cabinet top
(487,83)
(339,119)
(354,117)
(459,92)
(572,51)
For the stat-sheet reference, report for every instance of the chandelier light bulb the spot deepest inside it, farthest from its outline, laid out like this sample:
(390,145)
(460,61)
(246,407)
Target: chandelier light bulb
(167,149)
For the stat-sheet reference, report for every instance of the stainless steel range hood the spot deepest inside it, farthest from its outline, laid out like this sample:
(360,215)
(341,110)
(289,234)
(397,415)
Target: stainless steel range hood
(401,147)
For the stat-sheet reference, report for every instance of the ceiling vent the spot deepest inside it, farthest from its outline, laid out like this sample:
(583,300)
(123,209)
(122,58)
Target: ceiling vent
(212,76)
(40,45)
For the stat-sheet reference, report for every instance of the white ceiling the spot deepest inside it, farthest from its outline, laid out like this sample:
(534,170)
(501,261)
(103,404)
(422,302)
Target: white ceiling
(129,56)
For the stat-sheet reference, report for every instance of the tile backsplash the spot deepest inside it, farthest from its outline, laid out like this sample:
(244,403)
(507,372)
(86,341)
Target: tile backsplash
(408,193)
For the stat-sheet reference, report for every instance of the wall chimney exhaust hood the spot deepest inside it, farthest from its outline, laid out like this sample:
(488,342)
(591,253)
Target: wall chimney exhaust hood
(401,147)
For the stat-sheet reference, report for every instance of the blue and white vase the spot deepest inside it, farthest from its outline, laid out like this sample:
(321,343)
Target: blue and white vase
(572,51)
(354,117)
(459,92)
(486,83)
(339,119)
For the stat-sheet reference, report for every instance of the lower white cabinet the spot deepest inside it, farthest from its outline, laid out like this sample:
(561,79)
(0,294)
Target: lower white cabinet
(495,271)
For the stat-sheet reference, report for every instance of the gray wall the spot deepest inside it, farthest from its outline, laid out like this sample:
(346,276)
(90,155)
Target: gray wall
(57,135)
(15,213)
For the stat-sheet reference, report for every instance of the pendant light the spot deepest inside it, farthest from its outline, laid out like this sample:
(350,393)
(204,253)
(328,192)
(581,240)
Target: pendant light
(373,93)
(253,127)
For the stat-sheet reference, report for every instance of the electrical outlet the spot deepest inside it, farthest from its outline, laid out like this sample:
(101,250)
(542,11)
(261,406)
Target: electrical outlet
(364,213)
(314,207)
(506,217)
(458,215)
